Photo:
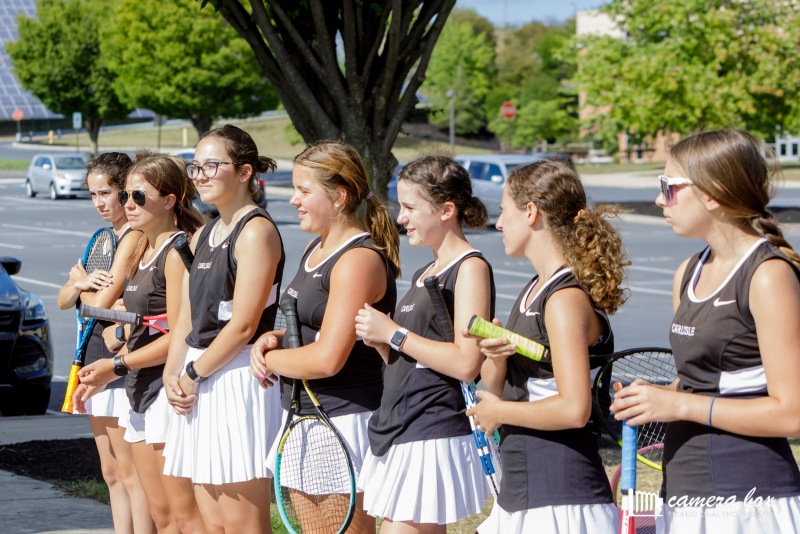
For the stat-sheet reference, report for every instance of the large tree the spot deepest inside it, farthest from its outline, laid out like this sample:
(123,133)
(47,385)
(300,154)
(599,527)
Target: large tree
(694,65)
(180,61)
(57,58)
(346,69)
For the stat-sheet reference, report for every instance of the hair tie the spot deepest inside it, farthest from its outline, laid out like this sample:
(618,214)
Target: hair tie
(369,196)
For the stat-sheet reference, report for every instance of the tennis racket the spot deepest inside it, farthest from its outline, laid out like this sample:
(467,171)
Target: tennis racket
(315,486)
(654,365)
(182,246)
(627,523)
(157,322)
(529,348)
(98,256)
(488,451)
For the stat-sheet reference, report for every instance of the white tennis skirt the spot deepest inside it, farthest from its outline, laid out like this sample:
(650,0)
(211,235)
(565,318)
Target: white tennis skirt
(779,515)
(152,425)
(353,429)
(230,429)
(110,403)
(561,519)
(433,481)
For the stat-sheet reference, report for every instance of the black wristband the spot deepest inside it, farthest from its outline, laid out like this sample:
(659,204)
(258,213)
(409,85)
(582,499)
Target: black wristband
(191,373)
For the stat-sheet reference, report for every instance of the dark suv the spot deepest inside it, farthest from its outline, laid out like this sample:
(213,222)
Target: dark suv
(26,347)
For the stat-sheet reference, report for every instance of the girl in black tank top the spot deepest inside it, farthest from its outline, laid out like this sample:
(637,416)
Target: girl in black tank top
(421,420)
(553,477)
(728,466)
(341,271)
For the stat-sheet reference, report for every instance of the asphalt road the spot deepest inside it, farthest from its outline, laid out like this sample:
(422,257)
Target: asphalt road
(49,238)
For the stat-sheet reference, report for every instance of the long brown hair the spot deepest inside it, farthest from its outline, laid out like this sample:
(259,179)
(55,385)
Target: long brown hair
(336,165)
(591,246)
(736,170)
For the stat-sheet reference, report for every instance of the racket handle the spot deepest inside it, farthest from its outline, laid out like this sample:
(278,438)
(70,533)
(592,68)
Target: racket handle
(115,316)
(72,385)
(478,326)
(441,314)
(629,436)
(184,251)
(292,335)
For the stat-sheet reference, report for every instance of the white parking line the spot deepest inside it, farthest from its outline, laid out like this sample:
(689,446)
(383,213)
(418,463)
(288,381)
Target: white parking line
(36,282)
(652,269)
(11,246)
(47,230)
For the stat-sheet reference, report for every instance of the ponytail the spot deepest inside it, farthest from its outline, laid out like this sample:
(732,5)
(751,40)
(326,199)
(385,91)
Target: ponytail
(383,232)
(767,225)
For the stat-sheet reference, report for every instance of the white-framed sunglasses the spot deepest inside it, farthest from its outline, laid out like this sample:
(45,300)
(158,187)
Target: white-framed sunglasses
(669,183)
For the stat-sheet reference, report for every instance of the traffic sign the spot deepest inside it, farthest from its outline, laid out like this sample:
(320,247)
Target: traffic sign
(508,109)
(77,120)
(17,115)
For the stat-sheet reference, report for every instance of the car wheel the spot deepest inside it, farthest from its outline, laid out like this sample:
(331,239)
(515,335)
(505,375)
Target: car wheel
(29,189)
(25,400)
(53,192)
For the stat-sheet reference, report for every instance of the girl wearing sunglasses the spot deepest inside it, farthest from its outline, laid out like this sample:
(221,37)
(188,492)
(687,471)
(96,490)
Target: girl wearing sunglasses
(736,341)
(225,421)
(157,200)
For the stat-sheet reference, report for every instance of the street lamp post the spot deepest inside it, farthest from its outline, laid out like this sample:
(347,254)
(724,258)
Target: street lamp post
(451,94)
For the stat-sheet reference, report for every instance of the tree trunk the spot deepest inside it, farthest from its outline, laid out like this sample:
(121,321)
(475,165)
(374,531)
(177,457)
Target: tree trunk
(202,125)
(93,125)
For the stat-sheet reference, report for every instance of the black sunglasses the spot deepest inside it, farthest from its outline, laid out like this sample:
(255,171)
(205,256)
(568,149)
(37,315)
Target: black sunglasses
(137,195)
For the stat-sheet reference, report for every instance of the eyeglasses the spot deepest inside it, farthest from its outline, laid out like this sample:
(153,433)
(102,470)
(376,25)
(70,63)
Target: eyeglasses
(137,195)
(209,169)
(668,185)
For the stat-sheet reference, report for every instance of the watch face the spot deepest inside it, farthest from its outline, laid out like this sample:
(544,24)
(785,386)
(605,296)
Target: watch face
(120,370)
(397,339)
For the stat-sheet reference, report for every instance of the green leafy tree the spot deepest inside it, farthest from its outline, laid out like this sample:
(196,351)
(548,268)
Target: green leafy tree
(180,61)
(341,68)
(463,62)
(693,65)
(57,58)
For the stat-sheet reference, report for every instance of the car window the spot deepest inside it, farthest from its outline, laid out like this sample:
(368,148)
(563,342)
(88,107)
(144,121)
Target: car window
(70,162)
(40,162)
(476,170)
(492,170)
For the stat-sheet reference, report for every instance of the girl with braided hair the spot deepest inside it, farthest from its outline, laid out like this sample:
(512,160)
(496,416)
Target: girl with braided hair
(736,341)
(553,478)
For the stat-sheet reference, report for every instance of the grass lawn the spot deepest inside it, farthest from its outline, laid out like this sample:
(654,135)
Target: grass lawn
(13,164)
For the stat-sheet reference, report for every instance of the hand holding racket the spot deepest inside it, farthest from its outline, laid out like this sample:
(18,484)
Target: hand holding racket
(526,347)
(315,486)
(627,523)
(156,322)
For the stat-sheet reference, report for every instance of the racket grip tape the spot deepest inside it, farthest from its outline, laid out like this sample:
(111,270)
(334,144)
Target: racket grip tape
(184,251)
(629,436)
(72,385)
(292,335)
(478,326)
(116,316)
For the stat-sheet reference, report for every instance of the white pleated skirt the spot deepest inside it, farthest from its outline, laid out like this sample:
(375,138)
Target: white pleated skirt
(151,426)
(110,403)
(434,481)
(780,515)
(561,519)
(353,429)
(231,427)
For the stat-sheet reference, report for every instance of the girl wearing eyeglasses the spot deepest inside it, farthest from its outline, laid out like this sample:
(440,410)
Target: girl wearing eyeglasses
(108,409)
(157,200)
(736,341)
(225,421)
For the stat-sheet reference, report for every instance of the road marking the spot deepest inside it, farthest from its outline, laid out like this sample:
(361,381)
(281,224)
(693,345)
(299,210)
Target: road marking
(37,282)
(48,230)
(651,269)
(11,246)
(640,289)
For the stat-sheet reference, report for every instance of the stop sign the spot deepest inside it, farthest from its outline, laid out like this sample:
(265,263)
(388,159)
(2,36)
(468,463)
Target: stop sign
(508,109)
(17,115)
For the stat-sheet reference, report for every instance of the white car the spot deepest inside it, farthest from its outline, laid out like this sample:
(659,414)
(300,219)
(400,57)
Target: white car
(59,175)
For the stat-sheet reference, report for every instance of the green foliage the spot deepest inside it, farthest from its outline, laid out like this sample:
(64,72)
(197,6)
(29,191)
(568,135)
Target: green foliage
(57,58)
(180,61)
(463,61)
(694,65)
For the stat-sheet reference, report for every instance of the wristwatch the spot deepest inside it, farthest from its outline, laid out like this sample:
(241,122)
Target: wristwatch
(120,369)
(120,333)
(191,373)
(398,338)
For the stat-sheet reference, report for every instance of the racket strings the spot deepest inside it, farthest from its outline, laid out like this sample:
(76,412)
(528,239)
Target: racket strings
(316,481)
(101,254)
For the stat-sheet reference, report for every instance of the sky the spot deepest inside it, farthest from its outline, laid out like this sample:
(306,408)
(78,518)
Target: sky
(518,12)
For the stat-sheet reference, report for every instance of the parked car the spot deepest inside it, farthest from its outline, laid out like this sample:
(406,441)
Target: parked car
(59,175)
(489,173)
(26,346)
(210,209)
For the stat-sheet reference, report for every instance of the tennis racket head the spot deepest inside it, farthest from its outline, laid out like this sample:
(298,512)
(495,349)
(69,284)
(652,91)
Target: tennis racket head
(655,365)
(99,252)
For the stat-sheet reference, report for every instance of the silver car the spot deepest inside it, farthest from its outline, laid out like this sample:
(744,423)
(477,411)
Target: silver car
(60,175)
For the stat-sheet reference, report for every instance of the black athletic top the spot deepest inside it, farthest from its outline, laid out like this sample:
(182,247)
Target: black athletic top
(419,403)
(543,467)
(146,294)
(212,281)
(96,348)
(357,387)
(715,344)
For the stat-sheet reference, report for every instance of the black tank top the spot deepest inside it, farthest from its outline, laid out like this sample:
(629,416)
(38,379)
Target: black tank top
(146,294)
(357,387)
(96,348)
(212,281)
(419,403)
(715,344)
(542,467)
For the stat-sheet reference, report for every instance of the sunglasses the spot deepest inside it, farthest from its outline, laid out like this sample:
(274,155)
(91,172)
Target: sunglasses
(137,195)
(669,184)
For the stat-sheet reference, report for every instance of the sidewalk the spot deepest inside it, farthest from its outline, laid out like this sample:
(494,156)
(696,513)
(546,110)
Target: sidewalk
(31,506)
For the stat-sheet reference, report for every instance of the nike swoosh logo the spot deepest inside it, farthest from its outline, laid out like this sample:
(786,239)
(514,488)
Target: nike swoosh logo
(316,275)
(531,314)
(718,302)
(225,245)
